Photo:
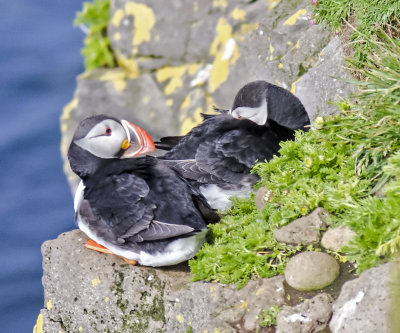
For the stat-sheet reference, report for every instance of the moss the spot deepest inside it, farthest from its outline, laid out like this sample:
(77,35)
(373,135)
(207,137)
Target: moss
(117,289)
(150,307)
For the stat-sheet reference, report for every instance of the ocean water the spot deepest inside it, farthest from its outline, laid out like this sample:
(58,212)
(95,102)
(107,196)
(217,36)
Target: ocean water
(39,60)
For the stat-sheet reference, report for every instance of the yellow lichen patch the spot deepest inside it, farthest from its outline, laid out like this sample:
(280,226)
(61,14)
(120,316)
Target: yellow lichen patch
(106,299)
(226,52)
(238,14)
(297,46)
(186,102)
(117,76)
(48,304)
(170,101)
(38,328)
(188,123)
(144,21)
(179,318)
(80,329)
(273,3)
(117,36)
(280,66)
(193,68)
(220,3)
(271,51)
(95,282)
(293,87)
(117,18)
(259,291)
(245,28)
(195,6)
(66,114)
(174,74)
(216,330)
(243,305)
(292,19)
(129,65)
(146,99)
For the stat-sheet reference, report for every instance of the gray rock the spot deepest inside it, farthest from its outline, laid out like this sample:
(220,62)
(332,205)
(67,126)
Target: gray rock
(147,29)
(305,230)
(309,316)
(335,238)
(211,306)
(311,270)
(94,292)
(262,195)
(326,81)
(364,304)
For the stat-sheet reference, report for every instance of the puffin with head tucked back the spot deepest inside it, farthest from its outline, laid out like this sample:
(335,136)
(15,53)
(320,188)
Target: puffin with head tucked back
(135,207)
(219,153)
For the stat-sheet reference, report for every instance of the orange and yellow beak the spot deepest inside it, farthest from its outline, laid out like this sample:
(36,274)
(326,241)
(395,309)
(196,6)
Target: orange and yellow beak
(138,141)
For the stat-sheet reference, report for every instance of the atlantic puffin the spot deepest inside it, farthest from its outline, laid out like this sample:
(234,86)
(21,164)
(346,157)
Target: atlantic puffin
(219,153)
(133,206)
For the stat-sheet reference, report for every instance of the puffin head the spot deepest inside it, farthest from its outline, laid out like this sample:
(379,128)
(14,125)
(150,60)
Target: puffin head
(251,103)
(261,101)
(103,137)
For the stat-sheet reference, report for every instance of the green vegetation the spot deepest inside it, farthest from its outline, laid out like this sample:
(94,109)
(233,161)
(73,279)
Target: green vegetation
(341,166)
(268,317)
(366,16)
(94,16)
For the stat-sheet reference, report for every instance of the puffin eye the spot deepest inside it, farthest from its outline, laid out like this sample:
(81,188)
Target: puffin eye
(108,131)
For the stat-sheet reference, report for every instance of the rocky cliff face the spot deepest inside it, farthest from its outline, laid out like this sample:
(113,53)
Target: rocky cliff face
(176,61)
(86,291)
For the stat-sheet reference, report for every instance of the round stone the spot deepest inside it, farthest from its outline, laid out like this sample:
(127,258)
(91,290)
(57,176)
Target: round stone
(311,270)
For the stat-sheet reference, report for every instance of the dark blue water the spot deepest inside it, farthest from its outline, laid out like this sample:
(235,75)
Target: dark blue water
(39,60)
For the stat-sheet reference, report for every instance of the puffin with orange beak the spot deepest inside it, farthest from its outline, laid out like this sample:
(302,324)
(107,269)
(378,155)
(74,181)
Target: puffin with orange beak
(126,203)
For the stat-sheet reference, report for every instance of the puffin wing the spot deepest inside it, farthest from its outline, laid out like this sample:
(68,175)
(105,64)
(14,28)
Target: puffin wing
(229,157)
(159,230)
(189,169)
(121,203)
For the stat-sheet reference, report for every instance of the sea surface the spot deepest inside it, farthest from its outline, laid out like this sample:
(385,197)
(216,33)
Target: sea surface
(39,61)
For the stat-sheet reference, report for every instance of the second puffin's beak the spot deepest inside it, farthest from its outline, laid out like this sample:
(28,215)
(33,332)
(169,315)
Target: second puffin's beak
(138,142)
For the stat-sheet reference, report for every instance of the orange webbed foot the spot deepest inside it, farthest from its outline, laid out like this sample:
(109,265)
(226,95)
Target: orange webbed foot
(91,244)
(130,262)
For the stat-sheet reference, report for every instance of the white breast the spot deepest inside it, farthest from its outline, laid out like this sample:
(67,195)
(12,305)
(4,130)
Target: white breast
(218,198)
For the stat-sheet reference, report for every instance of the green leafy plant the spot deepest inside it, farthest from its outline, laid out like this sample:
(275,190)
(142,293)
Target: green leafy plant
(94,17)
(268,317)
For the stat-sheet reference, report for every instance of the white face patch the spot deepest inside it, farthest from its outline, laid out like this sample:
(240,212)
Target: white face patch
(257,114)
(104,140)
